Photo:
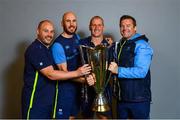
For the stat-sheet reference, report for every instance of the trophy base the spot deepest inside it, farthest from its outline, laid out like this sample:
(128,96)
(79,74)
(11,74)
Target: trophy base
(100,104)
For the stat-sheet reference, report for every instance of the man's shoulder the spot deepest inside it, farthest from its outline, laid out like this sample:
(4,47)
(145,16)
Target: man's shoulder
(138,37)
(36,49)
(35,45)
(141,39)
(58,38)
(85,40)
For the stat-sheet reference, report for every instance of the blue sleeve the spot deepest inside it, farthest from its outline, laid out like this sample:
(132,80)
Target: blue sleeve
(58,53)
(77,36)
(142,61)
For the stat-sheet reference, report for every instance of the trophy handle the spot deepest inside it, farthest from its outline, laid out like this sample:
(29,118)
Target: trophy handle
(116,85)
(84,88)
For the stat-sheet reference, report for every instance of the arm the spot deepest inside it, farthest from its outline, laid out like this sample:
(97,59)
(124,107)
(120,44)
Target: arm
(64,75)
(142,61)
(63,67)
(60,59)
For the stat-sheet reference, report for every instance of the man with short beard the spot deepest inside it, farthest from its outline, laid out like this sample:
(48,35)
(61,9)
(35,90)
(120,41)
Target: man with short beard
(66,57)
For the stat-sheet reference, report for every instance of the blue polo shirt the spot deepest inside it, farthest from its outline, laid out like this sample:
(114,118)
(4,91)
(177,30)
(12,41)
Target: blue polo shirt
(38,89)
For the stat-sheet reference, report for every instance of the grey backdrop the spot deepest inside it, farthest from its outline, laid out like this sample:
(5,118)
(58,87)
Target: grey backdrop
(158,19)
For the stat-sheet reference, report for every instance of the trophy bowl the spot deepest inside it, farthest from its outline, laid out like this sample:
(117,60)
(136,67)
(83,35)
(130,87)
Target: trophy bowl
(97,58)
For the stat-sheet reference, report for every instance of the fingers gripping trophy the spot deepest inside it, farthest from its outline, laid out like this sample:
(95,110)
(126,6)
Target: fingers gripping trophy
(98,59)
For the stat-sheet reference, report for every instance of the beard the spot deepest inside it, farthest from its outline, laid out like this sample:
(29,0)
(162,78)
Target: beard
(69,31)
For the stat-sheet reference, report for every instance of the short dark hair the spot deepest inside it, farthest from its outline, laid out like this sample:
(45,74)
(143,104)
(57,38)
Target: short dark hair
(127,17)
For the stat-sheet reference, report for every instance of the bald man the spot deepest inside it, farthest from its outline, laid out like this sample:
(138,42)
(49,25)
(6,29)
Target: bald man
(66,56)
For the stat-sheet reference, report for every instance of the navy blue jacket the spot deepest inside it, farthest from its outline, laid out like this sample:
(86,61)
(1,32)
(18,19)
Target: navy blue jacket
(134,69)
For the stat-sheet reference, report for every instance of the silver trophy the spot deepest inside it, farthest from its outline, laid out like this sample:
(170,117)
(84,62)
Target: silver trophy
(97,59)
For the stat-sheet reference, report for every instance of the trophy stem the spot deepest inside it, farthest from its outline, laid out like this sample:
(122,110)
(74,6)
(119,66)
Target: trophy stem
(100,103)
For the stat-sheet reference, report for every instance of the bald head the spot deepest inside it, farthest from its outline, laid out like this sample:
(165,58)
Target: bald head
(67,14)
(69,23)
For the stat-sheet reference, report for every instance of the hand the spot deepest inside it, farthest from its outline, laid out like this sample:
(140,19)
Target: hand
(109,40)
(90,79)
(113,67)
(84,70)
